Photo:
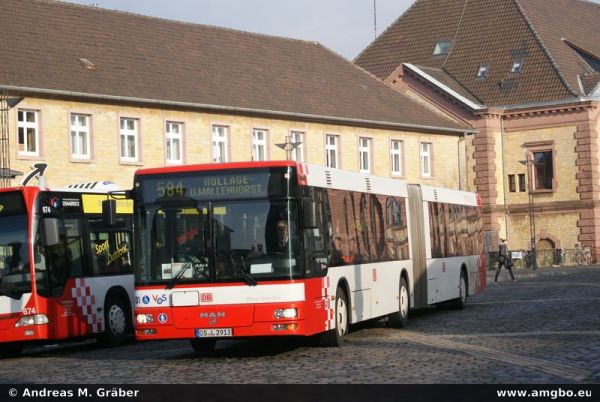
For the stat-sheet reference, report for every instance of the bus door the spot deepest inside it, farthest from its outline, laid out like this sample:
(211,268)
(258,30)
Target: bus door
(65,260)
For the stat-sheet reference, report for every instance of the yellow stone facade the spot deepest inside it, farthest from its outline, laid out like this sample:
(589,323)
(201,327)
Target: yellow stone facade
(448,149)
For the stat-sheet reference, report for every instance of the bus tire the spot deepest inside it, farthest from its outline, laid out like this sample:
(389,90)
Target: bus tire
(117,322)
(335,337)
(203,346)
(399,319)
(461,301)
(11,349)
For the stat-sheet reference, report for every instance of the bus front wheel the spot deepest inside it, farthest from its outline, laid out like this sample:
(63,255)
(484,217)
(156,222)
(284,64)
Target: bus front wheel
(117,324)
(400,318)
(335,337)
(203,346)
(12,349)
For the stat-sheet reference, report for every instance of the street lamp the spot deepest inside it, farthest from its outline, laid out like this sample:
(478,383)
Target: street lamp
(529,163)
(288,146)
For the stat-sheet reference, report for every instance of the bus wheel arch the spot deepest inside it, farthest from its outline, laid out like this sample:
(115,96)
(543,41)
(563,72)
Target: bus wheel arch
(335,336)
(118,323)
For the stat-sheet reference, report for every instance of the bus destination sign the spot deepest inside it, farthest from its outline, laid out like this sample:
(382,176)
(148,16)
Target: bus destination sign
(213,186)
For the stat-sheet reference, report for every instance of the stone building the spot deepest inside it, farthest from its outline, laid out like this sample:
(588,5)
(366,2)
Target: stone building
(108,92)
(526,75)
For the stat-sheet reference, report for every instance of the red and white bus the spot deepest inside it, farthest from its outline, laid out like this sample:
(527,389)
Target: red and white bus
(278,248)
(63,272)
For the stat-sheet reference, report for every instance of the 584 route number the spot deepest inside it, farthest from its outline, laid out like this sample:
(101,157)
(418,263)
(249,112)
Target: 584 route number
(169,188)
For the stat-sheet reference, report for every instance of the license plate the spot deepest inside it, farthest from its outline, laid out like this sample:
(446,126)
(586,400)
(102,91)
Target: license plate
(213,332)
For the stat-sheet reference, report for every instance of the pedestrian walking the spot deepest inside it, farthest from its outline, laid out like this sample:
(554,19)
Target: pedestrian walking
(504,260)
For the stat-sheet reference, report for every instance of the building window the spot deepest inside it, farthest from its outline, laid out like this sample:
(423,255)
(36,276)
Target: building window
(364,155)
(426,166)
(512,185)
(331,151)
(259,144)
(129,133)
(80,136)
(174,142)
(220,136)
(522,185)
(397,157)
(482,72)
(517,67)
(543,170)
(442,47)
(297,137)
(29,133)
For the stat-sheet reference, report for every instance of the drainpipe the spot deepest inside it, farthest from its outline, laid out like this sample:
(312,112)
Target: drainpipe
(503,176)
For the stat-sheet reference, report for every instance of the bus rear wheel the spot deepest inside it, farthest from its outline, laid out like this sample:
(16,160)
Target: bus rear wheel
(203,346)
(335,337)
(461,301)
(399,319)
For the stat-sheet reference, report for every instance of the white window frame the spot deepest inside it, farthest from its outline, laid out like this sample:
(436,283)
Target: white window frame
(426,153)
(127,137)
(332,154)
(80,136)
(220,143)
(259,144)
(297,137)
(25,126)
(364,155)
(173,142)
(397,157)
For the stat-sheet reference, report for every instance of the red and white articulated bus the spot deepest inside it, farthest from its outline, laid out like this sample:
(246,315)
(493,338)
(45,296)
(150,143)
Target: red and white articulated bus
(63,272)
(279,248)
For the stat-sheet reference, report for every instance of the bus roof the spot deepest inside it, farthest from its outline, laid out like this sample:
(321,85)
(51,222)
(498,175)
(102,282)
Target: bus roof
(213,166)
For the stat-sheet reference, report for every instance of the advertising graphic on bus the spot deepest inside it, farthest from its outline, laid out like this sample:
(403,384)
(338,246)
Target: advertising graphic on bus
(277,248)
(63,272)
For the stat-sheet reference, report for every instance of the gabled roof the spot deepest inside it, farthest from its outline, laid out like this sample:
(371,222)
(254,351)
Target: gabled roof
(557,41)
(62,48)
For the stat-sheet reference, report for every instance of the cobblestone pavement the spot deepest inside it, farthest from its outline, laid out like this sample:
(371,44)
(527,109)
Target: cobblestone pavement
(544,328)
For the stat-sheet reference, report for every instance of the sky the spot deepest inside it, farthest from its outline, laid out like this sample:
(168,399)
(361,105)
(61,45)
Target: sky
(344,26)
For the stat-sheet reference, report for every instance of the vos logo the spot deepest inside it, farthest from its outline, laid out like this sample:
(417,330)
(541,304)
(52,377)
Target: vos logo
(159,299)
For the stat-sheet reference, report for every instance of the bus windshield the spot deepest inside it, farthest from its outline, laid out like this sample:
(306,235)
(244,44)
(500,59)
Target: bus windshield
(15,278)
(241,240)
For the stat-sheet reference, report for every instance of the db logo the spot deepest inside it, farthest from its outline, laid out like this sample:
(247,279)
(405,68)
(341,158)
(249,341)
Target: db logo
(206,297)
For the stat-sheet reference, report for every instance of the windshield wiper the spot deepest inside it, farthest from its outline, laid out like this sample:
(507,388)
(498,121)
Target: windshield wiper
(184,268)
(250,281)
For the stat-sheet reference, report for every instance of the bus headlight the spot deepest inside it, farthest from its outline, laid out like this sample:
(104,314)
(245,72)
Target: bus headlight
(38,319)
(286,313)
(144,318)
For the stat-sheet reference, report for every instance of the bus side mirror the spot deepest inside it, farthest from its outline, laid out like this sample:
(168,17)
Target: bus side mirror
(309,209)
(51,234)
(109,212)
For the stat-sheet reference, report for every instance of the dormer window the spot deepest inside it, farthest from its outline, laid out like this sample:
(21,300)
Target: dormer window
(482,72)
(442,47)
(517,67)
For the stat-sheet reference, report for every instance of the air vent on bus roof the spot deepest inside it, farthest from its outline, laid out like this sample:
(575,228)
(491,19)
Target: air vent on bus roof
(435,194)
(368,183)
(328,178)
